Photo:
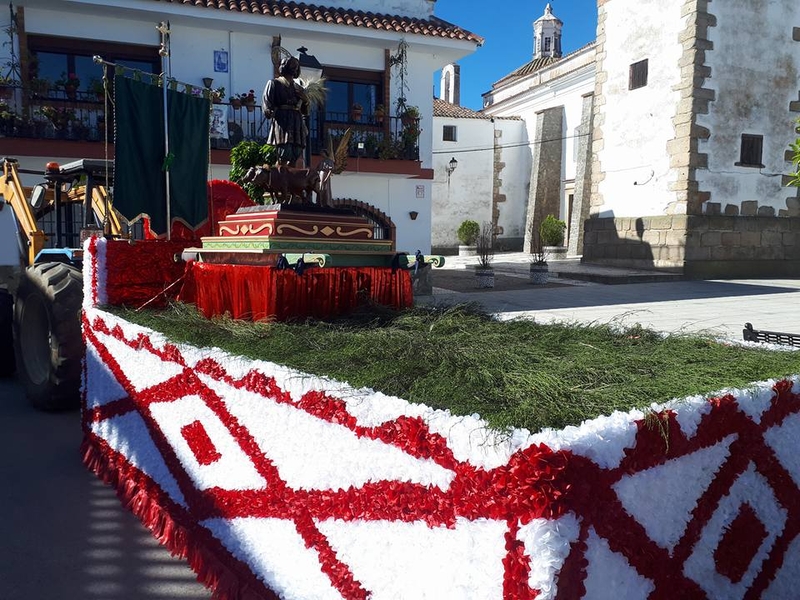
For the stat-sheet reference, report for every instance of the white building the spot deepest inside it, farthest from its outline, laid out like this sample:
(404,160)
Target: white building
(694,110)
(664,143)
(518,158)
(476,161)
(356,42)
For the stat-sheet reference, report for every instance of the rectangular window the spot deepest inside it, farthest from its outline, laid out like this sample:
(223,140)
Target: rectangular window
(449,133)
(638,75)
(348,88)
(53,59)
(547,44)
(750,153)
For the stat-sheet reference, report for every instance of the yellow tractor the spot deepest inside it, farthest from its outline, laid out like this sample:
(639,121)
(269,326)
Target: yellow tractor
(42,229)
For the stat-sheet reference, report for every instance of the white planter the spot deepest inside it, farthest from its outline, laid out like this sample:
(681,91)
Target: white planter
(467,250)
(555,252)
(484,278)
(539,274)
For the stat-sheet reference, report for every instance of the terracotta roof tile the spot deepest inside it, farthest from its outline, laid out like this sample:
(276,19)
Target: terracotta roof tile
(433,26)
(442,108)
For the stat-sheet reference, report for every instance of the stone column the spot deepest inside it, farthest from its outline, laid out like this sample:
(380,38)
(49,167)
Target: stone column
(583,178)
(544,197)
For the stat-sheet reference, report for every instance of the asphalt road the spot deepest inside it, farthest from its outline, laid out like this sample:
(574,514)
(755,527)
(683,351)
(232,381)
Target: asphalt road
(64,534)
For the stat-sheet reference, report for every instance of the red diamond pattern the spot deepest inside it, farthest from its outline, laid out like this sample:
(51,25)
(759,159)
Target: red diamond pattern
(536,483)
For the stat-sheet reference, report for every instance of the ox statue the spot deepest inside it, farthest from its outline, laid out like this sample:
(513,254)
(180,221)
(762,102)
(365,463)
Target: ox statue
(286,185)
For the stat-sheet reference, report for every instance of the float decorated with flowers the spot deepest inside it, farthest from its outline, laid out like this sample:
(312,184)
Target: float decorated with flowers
(273,483)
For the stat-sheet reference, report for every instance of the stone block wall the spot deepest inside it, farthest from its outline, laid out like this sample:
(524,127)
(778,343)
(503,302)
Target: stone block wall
(699,246)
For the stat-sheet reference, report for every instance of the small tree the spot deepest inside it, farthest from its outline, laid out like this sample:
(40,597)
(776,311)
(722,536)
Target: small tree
(246,155)
(795,147)
(538,257)
(468,232)
(485,246)
(552,231)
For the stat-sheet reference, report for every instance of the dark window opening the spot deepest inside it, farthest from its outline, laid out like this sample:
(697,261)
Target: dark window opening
(751,151)
(449,133)
(547,44)
(349,88)
(54,58)
(638,75)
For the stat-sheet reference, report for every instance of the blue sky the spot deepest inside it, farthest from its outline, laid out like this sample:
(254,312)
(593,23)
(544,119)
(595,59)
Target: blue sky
(508,36)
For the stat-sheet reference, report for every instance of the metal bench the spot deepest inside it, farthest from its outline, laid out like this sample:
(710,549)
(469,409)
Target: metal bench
(772,337)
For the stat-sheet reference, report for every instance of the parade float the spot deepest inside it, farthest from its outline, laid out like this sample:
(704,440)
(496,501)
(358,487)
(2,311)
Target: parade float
(273,483)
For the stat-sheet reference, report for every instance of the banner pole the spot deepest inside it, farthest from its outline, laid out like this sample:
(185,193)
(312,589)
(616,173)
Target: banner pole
(163,28)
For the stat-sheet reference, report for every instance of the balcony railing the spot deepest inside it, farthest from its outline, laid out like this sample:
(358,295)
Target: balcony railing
(59,115)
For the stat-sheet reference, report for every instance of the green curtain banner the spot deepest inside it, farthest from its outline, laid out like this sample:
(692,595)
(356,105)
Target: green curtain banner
(139,183)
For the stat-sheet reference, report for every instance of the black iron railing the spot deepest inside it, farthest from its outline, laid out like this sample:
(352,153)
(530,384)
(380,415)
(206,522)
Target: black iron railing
(40,112)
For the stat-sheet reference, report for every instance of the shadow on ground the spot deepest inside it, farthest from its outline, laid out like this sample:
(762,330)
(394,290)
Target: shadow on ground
(64,533)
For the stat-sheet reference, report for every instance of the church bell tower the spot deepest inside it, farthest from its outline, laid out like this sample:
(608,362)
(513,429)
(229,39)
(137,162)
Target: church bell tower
(547,35)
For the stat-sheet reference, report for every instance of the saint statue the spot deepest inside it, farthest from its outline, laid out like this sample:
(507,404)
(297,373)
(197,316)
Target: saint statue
(286,104)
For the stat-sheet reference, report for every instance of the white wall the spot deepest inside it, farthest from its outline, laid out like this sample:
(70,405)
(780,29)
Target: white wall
(468,193)
(397,197)
(196,33)
(755,73)
(514,176)
(565,84)
(638,123)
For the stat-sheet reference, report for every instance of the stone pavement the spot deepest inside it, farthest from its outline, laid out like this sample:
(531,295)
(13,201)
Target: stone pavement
(717,308)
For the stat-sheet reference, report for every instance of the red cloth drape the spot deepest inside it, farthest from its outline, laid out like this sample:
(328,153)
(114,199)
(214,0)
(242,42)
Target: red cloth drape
(257,293)
(137,272)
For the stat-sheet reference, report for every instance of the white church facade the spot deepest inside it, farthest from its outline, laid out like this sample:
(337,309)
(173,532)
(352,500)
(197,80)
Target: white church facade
(663,144)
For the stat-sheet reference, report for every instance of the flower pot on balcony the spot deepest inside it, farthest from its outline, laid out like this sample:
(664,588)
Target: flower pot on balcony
(236,103)
(250,106)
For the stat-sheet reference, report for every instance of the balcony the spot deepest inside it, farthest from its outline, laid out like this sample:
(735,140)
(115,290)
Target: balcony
(55,114)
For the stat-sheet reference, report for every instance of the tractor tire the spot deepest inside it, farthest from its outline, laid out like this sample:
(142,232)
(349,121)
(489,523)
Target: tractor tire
(6,335)
(47,335)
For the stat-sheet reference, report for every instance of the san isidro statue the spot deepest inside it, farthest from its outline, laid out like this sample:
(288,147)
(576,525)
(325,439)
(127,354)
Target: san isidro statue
(286,104)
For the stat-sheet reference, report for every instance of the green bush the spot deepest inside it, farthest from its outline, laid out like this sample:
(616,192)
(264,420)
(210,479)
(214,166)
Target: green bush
(795,148)
(468,232)
(552,231)
(251,154)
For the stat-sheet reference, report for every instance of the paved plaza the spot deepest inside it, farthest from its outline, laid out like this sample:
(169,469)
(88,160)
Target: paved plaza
(716,307)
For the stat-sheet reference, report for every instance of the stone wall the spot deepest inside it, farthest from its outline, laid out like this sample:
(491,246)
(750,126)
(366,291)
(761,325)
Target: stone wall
(699,246)
(545,189)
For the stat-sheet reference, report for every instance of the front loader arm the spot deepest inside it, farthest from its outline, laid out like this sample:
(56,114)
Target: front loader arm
(12,190)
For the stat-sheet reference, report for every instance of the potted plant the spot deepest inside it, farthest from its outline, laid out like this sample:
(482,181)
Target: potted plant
(40,87)
(539,270)
(379,113)
(97,88)
(249,100)
(217,95)
(356,111)
(409,116)
(467,234)
(7,84)
(235,101)
(484,245)
(552,232)
(70,84)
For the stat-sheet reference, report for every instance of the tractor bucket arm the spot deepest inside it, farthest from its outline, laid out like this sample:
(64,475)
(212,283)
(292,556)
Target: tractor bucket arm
(100,201)
(14,194)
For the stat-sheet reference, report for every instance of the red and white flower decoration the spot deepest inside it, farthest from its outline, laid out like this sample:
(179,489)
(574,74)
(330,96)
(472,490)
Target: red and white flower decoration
(276,483)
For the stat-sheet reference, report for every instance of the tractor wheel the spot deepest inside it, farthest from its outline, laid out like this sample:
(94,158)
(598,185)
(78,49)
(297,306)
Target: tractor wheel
(47,335)
(6,344)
